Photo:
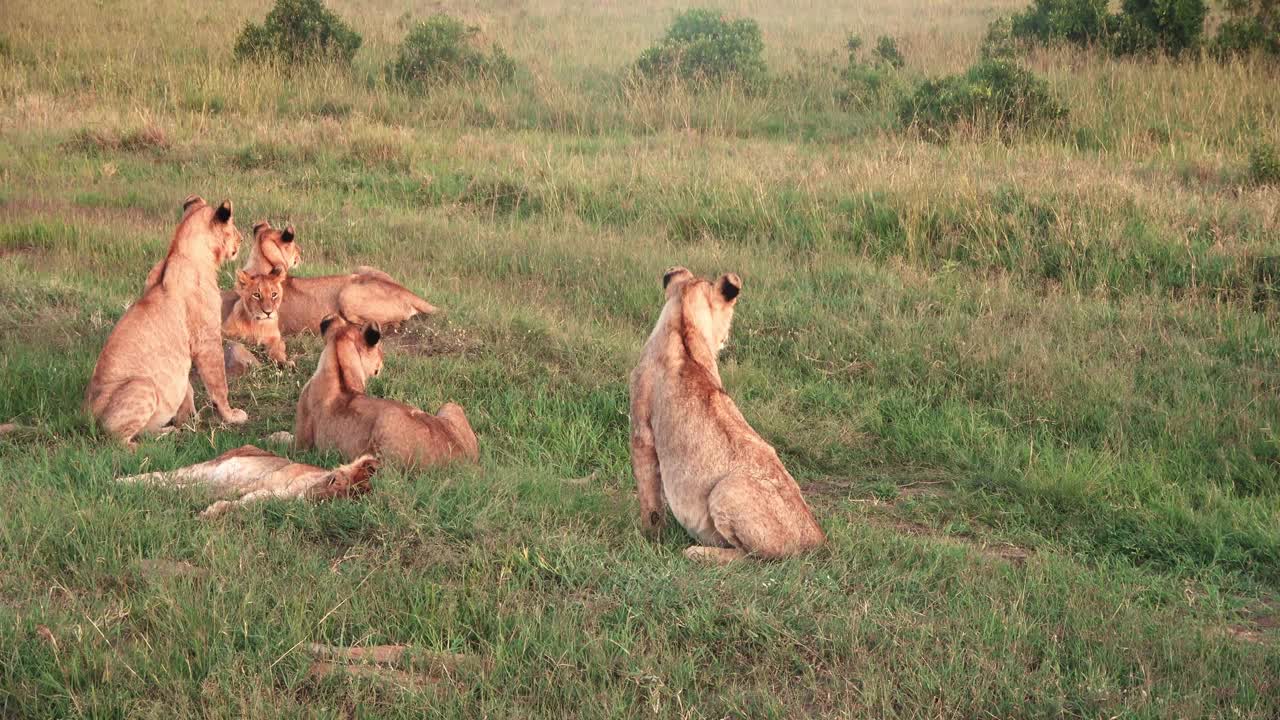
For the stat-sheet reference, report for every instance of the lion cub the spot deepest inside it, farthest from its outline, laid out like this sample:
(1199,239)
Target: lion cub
(692,447)
(141,380)
(254,317)
(335,412)
(367,295)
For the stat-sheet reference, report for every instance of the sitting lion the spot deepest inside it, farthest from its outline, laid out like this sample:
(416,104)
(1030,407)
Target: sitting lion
(254,317)
(141,380)
(692,447)
(366,296)
(334,411)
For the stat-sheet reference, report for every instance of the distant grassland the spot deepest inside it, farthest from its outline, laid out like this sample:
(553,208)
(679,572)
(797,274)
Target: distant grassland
(1032,389)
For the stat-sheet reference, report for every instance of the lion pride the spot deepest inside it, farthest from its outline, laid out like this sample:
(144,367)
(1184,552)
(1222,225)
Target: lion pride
(693,450)
(334,411)
(141,381)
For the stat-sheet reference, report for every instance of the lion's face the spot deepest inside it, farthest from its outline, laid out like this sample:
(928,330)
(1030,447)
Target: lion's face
(355,343)
(277,247)
(708,305)
(260,294)
(216,223)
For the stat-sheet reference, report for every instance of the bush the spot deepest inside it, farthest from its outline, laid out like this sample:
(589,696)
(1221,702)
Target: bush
(1142,26)
(296,32)
(1173,26)
(887,52)
(1083,22)
(996,94)
(999,43)
(702,47)
(1250,25)
(442,50)
(865,83)
(1264,165)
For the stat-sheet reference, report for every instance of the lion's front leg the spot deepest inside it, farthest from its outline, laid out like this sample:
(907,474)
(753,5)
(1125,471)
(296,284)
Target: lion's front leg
(208,357)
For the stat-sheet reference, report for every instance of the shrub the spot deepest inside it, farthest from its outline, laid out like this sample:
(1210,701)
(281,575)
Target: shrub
(1264,165)
(1082,22)
(887,52)
(1250,25)
(296,32)
(999,43)
(868,82)
(442,50)
(1142,26)
(1145,26)
(997,94)
(703,47)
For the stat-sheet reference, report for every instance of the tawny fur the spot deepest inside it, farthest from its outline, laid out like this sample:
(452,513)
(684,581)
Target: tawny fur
(248,474)
(272,249)
(255,317)
(141,381)
(367,295)
(334,411)
(692,450)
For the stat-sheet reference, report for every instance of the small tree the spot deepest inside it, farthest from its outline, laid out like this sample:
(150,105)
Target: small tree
(297,32)
(1250,25)
(442,50)
(997,94)
(703,47)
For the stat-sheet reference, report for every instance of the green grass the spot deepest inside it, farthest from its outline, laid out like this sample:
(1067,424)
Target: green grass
(1031,388)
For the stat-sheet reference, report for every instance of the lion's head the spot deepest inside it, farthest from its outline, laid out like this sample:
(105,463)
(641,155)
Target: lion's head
(707,306)
(210,227)
(354,348)
(273,248)
(260,294)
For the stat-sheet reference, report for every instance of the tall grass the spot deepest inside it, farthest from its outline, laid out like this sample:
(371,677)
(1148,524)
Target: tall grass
(1028,384)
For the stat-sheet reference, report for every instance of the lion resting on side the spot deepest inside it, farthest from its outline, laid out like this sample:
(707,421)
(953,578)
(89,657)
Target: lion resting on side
(366,296)
(254,317)
(691,445)
(334,411)
(249,475)
(142,378)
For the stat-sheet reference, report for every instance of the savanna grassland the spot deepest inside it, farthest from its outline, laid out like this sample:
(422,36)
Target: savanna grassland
(1030,385)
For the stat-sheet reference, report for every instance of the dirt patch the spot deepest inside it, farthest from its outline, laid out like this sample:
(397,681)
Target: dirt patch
(159,569)
(1007,552)
(421,338)
(398,665)
(1260,625)
(41,208)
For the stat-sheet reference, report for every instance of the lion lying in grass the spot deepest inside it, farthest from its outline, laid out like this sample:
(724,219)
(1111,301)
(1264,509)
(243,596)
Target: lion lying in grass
(334,411)
(248,475)
(367,295)
(693,449)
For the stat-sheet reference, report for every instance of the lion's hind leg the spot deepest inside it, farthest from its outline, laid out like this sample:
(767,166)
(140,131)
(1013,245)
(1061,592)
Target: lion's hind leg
(372,299)
(751,516)
(453,414)
(129,409)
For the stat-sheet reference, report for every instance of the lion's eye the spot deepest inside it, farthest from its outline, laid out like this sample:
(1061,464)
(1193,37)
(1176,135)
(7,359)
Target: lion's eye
(257,296)
(275,295)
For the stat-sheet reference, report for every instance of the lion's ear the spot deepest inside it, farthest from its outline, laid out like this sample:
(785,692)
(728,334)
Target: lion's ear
(242,279)
(672,274)
(325,323)
(729,286)
(372,334)
(224,212)
(191,200)
(261,225)
(287,235)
